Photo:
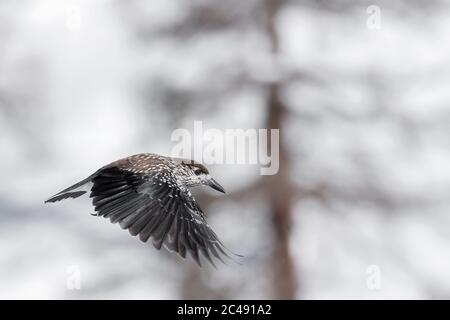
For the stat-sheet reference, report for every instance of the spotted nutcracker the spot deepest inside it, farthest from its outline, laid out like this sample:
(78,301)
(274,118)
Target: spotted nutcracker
(149,195)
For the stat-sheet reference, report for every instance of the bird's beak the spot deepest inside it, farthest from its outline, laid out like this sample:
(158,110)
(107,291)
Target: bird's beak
(215,185)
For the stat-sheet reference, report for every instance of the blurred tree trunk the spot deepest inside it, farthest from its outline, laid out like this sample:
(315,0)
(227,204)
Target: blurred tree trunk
(280,197)
(280,188)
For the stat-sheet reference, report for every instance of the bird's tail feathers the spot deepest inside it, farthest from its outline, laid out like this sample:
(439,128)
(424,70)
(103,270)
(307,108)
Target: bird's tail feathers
(75,191)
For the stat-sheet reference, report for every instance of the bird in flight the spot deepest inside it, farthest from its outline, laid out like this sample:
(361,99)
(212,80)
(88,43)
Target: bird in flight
(149,195)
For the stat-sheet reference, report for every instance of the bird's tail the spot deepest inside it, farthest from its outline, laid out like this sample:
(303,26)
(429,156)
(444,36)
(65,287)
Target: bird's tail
(75,191)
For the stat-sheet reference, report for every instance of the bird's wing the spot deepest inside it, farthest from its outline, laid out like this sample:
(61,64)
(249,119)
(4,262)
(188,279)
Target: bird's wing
(153,206)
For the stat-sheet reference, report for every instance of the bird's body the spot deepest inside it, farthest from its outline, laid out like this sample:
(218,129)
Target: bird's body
(149,195)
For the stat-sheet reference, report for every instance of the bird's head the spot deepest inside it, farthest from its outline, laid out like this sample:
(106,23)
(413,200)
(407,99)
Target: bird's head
(197,174)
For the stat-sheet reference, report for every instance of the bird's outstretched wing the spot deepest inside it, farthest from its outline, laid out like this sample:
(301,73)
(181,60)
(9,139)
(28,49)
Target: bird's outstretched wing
(154,206)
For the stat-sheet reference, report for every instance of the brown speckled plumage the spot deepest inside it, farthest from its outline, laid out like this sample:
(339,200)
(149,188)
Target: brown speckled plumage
(149,195)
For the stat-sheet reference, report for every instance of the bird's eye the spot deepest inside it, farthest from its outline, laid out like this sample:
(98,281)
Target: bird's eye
(197,171)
